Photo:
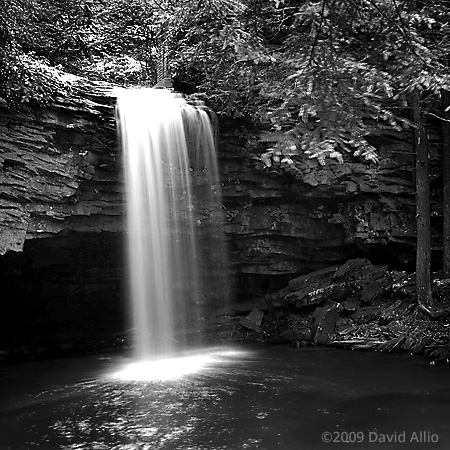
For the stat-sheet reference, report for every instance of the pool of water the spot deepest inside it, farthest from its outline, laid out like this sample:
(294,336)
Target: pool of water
(229,398)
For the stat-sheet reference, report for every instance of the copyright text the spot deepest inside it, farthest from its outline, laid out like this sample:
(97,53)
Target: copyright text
(352,437)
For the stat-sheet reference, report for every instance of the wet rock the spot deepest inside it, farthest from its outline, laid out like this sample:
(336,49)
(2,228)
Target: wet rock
(397,327)
(367,281)
(67,155)
(256,316)
(324,322)
(60,171)
(316,277)
(253,320)
(59,168)
(352,266)
(312,290)
(357,279)
(361,273)
(351,305)
(250,325)
(317,295)
(394,344)
(391,313)
(367,314)
(418,347)
(306,216)
(370,292)
(297,334)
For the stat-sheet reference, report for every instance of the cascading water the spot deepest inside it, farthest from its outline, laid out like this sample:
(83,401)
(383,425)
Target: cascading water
(177,259)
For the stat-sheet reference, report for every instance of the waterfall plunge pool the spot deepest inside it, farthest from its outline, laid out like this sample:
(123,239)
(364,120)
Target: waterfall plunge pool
(247,397)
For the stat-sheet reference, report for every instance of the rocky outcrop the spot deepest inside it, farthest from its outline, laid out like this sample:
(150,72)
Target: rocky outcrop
(354,305)
(59,168)
(298,216)
(61,212)
(61,224)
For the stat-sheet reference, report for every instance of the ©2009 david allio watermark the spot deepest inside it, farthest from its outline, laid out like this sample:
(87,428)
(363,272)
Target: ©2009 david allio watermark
(358,437)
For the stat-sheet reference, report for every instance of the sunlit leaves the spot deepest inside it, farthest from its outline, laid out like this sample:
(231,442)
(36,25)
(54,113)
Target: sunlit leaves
(39,35)
(323,74)
(336,77)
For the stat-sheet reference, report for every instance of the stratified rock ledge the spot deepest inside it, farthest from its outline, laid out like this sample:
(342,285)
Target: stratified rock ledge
(358,306)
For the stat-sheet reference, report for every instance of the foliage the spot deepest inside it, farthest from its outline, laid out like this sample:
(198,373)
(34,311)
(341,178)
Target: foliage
(323,74)
(25,75)
(124,42)
(108,40)
(29,79)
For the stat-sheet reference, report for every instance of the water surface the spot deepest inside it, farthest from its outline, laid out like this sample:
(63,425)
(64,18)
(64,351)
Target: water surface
(246,398)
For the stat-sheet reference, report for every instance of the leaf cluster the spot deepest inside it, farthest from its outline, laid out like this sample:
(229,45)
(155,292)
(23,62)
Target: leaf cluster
(26,73)
(324,75)
(111,40)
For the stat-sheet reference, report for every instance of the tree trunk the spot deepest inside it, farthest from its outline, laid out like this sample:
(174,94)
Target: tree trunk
(446,182)
(423,254)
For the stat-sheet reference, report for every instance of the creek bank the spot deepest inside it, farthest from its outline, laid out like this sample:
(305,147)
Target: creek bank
(355,305)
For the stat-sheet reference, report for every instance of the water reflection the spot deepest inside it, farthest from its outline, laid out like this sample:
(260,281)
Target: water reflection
(267,398)
(174,367)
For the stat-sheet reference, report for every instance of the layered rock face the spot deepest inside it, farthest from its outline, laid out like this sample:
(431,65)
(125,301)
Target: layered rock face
(59,169)
(293,218)
(61,211)
(61,222)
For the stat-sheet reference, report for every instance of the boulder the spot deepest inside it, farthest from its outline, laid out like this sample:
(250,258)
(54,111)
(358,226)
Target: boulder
(253,320)
(356,279)
(367,314)
(324,322)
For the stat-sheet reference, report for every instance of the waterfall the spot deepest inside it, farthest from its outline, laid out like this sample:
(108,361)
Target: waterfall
(176,253)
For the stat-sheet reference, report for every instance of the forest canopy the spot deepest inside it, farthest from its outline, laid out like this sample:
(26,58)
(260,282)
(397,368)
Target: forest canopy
(323,75)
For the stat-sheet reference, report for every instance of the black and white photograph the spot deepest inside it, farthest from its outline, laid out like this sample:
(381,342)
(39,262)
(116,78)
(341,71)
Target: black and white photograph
(224,225)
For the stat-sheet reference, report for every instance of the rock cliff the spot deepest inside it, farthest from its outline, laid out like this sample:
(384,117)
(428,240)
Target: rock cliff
(61,211)
(59,168)
(298,217)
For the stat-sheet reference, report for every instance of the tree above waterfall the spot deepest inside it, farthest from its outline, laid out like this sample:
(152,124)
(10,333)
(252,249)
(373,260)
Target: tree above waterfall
(323,74)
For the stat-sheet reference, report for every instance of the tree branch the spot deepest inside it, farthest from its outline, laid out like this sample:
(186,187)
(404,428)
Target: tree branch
(437,117)
(400,28)
(316,40)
